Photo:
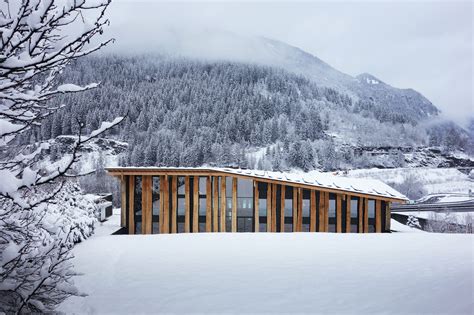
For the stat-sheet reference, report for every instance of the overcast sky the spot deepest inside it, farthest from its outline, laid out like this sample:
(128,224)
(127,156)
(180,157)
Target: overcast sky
(423,45)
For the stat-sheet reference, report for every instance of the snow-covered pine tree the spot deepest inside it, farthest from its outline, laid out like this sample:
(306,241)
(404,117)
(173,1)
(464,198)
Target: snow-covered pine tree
(39,38)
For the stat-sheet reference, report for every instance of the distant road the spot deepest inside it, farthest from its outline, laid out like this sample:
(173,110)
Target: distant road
(459,206)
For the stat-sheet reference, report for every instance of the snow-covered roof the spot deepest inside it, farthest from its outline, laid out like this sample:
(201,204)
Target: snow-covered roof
(317,179)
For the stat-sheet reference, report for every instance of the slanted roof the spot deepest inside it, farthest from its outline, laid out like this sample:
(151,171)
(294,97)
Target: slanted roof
(315,179)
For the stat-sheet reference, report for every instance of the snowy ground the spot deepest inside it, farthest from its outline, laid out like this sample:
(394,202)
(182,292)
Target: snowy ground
(274,273)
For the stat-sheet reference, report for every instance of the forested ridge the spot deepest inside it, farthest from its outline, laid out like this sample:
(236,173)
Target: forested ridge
(184,112)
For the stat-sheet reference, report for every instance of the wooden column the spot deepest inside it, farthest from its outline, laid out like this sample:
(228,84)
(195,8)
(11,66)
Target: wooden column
(131,206)
(282,208)
(257,211)
(234,204)
(274,207)
(338,213)
(300,209)
(166,205)
(312,215)
(174,204)
(123,201)
(146,205)
(321,211)
(378,216)
(348,213)
(215,204)
(208,204)
(366,215)
(387,216)
(295,209)
(187,205)
(223,203)
(196,204)
(360,215)
(269,207)
(162,204)
(326,211)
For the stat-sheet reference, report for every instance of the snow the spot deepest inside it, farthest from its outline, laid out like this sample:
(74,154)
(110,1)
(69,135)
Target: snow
(396,273)
(313,178)
(398,227)
(69,87)
(434,180)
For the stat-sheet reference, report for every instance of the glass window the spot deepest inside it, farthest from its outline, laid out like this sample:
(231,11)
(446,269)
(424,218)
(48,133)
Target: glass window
(156,204)
(228,214)
(181,209)
(371,215)
(244,205)
(332,212)
(202,204)
(288,209)
(306,210)
(138,204)
(262,206)
(354,214)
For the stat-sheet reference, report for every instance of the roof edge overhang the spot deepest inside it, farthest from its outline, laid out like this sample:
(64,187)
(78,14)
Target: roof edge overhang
(205,171)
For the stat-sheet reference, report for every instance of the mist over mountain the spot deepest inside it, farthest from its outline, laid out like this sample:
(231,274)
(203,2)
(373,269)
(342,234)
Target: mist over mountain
(250,102)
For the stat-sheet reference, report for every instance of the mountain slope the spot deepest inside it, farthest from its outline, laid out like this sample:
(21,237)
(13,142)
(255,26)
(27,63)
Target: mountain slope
(221,45)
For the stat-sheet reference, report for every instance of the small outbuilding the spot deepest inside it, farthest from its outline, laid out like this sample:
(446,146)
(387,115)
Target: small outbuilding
(190,200)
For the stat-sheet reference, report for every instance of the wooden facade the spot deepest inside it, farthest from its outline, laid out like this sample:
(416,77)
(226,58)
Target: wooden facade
(174,201)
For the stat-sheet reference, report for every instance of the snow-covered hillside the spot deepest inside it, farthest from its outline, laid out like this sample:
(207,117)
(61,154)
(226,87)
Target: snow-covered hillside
(434,180)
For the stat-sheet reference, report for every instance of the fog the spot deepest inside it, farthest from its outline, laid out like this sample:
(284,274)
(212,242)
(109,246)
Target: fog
(427,46)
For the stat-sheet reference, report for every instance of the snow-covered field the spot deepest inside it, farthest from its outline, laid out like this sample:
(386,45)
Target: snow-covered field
(435,180)
(404,273)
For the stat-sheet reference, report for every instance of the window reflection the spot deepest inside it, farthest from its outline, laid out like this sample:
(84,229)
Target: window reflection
(306,210)
(156,205)
(332,212)
(288,209)
(138,205)
(245,210)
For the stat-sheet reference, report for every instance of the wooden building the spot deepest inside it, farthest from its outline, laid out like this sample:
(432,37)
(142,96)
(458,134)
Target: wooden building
(189,200)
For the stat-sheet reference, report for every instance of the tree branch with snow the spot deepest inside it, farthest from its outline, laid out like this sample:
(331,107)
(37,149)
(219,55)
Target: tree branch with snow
(38,40)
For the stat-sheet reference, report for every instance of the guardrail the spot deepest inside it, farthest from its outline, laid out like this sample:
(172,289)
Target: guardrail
(459,206)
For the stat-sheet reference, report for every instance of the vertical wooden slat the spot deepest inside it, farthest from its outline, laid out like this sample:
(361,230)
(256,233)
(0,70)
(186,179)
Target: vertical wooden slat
(234,204)
(123,201)
(282,208)
(387,216)
(208,204)
(366,215)
(321,212)
(146,205)
(215,204)
(162,204)
(150,204)
(174,204)
(223,203)
(360,215)
(295,209)
(187,205)
(378,216)
(348,213)
(338,213)
(166,206)
(131,207)
(312,215)
(257,211)
(326,212)
(196,204)
(269,207)
(300,209)
(274,206)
